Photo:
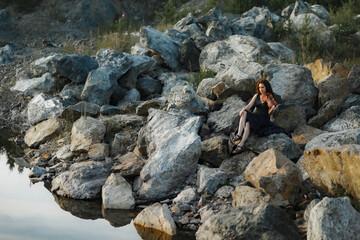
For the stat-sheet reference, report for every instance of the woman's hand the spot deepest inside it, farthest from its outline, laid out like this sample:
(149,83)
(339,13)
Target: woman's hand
(241,112)
(272,109)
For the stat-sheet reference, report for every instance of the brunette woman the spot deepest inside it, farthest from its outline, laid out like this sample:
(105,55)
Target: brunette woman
(259,120)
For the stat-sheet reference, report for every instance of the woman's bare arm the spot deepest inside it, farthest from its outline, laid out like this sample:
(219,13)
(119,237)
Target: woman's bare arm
(249,106)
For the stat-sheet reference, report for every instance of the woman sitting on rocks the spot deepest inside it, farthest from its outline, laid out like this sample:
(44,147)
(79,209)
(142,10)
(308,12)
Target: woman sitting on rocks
(259,120)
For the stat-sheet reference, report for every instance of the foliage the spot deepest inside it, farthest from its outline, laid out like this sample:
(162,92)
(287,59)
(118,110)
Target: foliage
(119,35)
(197,77)
(169,13)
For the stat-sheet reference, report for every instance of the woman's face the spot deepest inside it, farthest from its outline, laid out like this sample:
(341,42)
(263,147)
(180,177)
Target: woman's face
(262,88)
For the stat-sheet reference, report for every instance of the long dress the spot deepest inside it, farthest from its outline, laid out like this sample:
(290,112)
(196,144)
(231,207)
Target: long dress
(260,120)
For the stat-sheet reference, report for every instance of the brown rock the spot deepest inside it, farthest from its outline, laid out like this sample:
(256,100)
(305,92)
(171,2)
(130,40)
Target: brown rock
(42,132)
(277,176)
(335,169)
(319,70)
(304,133)
(131,165)
(214,150)
(245,195)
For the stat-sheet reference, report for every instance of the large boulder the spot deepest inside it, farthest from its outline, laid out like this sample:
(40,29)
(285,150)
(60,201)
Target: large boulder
(82,181)
(280,142)
(157,217)
(227,118)
(333,218)
(174,149)
(335,139)
(244,51)
(283,52)
(31,87)
(159,42)
(85,132)
(327,111)
(335,169)
(72,66)
(189,55)
(245,196)
(277,176)
(236,165)
(117,193)
(293,83)
(43,107)
(183,96)
(334,87)
(209,179)
(214,150)
(250,222)
(349,119)
(291,115)
(43,131)
(304,134)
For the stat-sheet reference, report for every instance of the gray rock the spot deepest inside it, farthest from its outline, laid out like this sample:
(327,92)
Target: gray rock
(99,151)
(131,96)
(244,26)
(283,52)
(236,165)
(148,86)
(6,54)
(309,207)
(74,112)
(64,153)
(214,14)
(174,149)
(224,192)
(162,44)
(243,51)
(71,93)
(350,119)
(182,96)
(291,115)
(72,66)
(299,8)
(99,86)
(117,193)
(37,172)
(352,100)
(142,64)
(293,83)
(333,218)
(43,107)
(109,110)
(189,19)
(42,132)
(334,87)
(82,181)
(321,12)
(31,87)
(304,174)
(205,86)
(218,31)
(123,142)
(184,198)
(85,132)
(227,118)
(214,150)
(280,142)
(143,108)
(189,55)
(169,80)
(327,111)
(177,35)
(262,17)
(210,179)
(139,49)
(335,139)
(250,222)
(116,62)
(130,165)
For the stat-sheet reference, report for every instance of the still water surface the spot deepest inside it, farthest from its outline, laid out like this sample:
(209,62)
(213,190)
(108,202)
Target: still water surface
(30,212)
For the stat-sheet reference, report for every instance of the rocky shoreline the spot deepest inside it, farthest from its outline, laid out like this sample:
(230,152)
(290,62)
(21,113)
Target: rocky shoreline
(131,130)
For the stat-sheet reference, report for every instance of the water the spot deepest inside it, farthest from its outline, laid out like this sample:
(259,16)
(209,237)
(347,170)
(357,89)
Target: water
(31,212)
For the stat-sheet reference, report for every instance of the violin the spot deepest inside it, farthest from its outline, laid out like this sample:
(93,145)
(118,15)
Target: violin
(269,99)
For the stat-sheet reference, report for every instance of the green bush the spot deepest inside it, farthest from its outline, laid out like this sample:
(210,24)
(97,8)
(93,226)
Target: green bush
(197,77)
(169,13)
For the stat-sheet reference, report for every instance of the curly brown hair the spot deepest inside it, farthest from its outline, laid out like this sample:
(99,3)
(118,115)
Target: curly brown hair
(266,84)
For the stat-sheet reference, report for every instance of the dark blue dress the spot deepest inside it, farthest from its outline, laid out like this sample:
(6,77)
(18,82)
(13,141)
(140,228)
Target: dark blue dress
(260,120)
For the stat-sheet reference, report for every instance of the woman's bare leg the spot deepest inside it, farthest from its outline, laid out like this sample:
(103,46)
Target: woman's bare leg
(246,134)
(242,123)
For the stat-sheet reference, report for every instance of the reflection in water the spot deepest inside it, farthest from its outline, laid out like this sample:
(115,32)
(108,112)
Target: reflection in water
(92,209)
(152,234)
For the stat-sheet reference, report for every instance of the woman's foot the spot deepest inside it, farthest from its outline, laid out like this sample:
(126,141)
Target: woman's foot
(236,138)
(238,149)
